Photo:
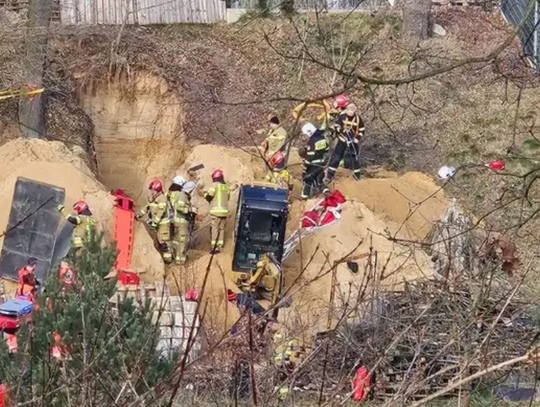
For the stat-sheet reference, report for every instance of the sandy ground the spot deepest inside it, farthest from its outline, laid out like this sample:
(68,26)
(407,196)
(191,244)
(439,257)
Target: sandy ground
(401,206)
(54,163)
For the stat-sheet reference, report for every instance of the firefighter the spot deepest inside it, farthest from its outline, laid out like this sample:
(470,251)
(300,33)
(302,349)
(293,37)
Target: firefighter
(275,138)
(158,217)
(349,129)
(30,269)
(278,174)
(314,156)
(218,196)
(84,223)
(181,213)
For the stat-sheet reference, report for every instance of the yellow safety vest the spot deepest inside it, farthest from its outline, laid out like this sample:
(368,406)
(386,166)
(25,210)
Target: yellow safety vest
(159,210)
(281,178)
(219,206)
(180,205)
(276,138)
(85,225)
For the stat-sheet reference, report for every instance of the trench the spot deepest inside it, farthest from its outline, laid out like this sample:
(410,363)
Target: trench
(138,132)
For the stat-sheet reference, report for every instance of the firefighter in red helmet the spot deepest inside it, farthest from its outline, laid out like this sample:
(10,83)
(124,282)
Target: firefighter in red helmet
(159,218)
(218,197)
(83,222)
(278,173)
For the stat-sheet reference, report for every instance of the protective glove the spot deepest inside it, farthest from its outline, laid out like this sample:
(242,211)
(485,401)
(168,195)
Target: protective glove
(60,207)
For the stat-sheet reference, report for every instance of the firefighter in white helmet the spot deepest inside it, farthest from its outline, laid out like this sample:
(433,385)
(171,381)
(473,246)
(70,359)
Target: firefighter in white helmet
(314,156)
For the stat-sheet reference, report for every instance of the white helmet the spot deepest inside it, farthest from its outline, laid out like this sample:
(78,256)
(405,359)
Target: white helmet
(309,129)
(189,186)
(446,171)
(179,180)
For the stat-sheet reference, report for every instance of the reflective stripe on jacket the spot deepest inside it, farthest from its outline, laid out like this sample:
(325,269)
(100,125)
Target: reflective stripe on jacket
(180,205)
(220,193)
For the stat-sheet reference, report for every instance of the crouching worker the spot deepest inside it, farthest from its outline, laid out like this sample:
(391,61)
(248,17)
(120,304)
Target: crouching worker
(157,212)
(218,196)
(278,174)
(83,222)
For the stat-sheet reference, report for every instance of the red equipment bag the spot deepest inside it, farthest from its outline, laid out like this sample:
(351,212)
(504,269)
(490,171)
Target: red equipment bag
(310,219)
(361,384)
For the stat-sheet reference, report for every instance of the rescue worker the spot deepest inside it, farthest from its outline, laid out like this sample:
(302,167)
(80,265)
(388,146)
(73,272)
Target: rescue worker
(287,354)
(157,212)
(29,269)
(278,174)
(275,138)
(84,224)
(245,301)
(27,290)
(218,196)
(349,129)
(314,156)
(180,208)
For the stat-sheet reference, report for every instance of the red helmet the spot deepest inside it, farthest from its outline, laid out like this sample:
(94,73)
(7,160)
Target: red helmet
(277,159)
(216,174)
(156,185)
(80,206)
(497,165)
(231,295)
(340,101)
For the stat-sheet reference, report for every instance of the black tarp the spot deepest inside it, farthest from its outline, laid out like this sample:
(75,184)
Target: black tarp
(31,228)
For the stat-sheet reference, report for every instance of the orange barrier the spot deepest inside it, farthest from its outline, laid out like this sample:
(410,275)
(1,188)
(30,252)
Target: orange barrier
(124,223)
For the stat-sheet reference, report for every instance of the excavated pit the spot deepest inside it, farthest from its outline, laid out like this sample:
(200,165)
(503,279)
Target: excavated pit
(138,131)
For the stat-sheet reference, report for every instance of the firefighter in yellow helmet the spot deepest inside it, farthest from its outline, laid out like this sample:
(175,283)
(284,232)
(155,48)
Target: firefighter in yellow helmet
(82,220)
(180,207)
(278,174)
(157,211)
(218,196)
(275,138)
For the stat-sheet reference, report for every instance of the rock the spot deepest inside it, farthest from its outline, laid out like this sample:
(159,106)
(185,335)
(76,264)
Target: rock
(438,30)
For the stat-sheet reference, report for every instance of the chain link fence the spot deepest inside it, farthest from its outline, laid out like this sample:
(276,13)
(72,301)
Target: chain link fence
(321,5)
(515,11)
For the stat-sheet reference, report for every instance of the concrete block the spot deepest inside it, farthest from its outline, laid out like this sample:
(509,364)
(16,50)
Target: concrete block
(176,303)
(165,319)
(165,332)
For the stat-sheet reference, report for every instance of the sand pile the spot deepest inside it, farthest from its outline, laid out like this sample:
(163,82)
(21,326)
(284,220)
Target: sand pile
(54,163)
(375,208)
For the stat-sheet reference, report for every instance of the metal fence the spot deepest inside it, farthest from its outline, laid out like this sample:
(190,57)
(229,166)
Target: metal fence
(142,12)
(515,11)
(322,5)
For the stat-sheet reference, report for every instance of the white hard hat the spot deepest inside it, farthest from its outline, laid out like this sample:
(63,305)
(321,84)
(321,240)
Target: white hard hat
(189,186)
(309,129)
(179,180)
(446,171)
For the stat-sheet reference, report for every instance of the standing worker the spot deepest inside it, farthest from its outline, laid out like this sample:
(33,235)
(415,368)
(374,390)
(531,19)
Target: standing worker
(275,139)
(218,196)
(180,207)
(81,218)
(314,160)
(159,218)
(30,268)
(350,129)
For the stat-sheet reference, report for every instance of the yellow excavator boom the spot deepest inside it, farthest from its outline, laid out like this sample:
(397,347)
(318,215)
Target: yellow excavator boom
(27,91)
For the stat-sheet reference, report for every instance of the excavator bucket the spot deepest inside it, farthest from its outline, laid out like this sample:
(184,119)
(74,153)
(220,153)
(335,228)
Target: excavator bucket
(31,227)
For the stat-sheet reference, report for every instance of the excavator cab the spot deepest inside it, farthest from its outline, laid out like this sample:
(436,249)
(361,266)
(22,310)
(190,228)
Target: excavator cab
(261,220)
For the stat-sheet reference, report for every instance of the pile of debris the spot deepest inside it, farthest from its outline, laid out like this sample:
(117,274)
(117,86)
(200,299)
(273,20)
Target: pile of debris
(419,340)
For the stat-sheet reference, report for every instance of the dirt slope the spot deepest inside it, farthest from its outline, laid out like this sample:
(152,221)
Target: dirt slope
(54,163)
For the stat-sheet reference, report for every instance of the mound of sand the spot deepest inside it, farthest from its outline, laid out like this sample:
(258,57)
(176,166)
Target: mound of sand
(54,163)
(376,208)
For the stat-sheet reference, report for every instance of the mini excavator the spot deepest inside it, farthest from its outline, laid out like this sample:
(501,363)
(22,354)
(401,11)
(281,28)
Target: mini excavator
(261,220)
(266,282)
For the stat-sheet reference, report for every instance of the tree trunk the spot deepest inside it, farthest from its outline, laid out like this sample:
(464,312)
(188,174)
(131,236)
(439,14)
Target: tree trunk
(31,120)
(416,19)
